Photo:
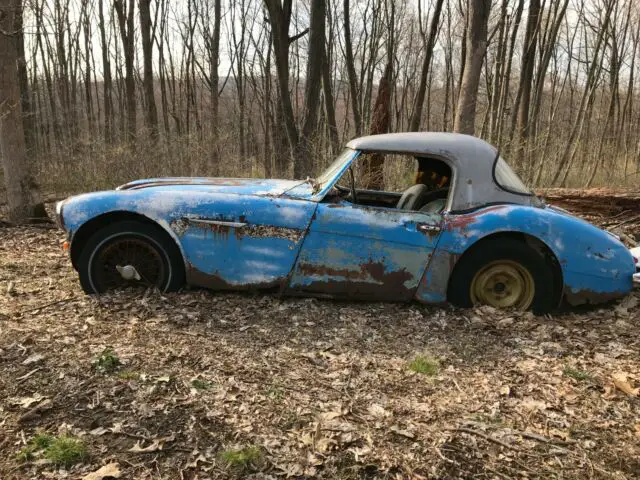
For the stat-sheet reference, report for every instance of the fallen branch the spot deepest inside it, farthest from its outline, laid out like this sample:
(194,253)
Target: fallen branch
(27,375)
(539,438)
(46,305)
(485,436)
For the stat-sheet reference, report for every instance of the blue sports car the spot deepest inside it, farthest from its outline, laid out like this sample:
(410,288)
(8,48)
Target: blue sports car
(467,231)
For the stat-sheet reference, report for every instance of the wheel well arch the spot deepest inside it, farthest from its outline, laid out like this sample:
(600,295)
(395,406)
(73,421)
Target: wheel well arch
(87,229)
(535,244)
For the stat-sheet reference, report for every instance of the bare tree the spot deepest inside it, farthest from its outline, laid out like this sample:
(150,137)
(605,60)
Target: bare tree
(429,43)
(351,70)
(106,74)
(147,30)
(372,172)
(125,13)
(23,197)
(476,41)
(520,114)
(303,153)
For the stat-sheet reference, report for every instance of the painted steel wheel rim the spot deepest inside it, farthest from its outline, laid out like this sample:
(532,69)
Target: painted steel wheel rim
(503,284)
(123,252)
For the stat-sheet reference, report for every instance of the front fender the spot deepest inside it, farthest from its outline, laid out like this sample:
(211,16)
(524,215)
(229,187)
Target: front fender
(167,205)
(595,266)
(226,240)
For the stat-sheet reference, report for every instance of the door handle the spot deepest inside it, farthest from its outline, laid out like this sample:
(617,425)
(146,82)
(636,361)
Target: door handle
(426,228)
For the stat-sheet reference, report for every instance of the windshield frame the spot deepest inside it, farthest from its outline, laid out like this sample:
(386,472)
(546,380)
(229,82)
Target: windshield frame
(529,192)
(328,178)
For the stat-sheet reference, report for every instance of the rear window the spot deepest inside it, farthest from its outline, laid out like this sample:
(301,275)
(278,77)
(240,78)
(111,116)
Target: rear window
(507,179)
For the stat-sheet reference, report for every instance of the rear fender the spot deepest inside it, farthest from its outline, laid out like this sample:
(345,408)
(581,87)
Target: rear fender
(595,266)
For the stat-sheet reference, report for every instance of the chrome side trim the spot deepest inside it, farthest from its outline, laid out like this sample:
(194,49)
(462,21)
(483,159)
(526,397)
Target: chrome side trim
(217,222)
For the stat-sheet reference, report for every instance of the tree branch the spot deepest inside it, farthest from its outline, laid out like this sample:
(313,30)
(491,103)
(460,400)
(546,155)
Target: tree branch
(298,36)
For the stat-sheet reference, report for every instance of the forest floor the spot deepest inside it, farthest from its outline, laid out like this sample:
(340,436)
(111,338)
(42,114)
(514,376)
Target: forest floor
(216,385)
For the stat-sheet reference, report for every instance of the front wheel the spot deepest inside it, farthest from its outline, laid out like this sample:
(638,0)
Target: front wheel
(130,254)
(503,273)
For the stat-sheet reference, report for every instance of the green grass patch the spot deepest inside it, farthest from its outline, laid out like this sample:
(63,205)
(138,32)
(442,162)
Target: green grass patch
(244,458)
(425,364)
(107,362)
(63,451)
(579,375)
(66,451)
(37,444)
(200,384)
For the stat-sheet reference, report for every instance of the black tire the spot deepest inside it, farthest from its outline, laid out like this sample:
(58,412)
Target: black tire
(160,248)
(459,291)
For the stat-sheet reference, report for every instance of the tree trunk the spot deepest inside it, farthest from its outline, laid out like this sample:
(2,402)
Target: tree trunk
(279,19)
(304,152)
(416,117)
(125,25)
(23,197)
(504,90)
(215,80)
(526,80)
(151,112)
(477,18)
(351,71)
(25,93)
(106,74)
(329,104)
(372,176)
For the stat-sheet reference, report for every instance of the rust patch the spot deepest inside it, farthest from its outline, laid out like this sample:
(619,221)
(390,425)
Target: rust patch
(460,222)
(357,284)
(179,226)
(432,235)
(266,231)
(214,281)
(589,297)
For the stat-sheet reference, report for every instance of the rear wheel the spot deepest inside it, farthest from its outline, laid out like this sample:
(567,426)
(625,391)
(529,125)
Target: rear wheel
(503,273)
(130,254)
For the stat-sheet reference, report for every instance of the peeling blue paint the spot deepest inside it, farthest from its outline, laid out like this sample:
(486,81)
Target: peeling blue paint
(245,233)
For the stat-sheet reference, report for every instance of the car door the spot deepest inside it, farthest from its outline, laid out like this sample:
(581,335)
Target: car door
(242,242)
(365,252)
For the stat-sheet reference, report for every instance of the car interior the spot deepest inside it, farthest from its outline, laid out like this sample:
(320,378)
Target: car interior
(427,190)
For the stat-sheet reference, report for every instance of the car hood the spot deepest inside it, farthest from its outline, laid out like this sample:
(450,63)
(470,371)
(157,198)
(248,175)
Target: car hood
(241,186)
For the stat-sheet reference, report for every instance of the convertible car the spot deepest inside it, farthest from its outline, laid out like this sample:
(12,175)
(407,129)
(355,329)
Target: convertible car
(468,232)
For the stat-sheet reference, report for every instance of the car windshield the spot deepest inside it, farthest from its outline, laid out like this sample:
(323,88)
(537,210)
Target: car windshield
(508,180)
(338,165)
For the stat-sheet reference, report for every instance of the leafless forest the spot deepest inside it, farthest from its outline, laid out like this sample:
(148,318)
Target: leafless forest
(200,385)
(113,90)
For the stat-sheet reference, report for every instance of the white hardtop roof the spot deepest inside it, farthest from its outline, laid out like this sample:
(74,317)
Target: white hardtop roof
(471,159)
(424,143)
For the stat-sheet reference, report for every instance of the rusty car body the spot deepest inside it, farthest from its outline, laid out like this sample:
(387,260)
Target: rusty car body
(313,238)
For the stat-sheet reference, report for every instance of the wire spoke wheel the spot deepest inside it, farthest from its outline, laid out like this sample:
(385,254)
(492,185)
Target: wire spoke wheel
(128,262)
(503,284)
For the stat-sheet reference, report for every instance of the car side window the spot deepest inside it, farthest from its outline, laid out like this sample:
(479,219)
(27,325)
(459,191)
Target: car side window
(403,182)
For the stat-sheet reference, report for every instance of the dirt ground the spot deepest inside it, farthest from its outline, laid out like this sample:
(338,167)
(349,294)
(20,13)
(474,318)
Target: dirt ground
(313,388)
